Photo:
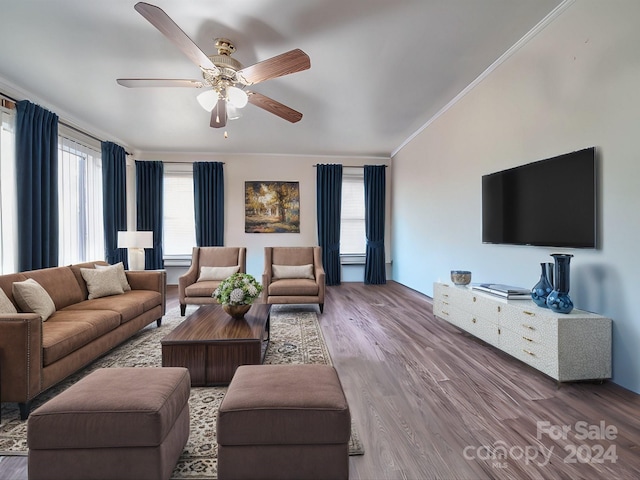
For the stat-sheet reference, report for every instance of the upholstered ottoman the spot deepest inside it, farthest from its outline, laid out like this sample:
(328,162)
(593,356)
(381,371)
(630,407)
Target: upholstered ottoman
(116,423)
(284,422)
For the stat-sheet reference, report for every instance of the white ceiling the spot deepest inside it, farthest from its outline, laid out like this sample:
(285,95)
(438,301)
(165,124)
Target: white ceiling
(380,69)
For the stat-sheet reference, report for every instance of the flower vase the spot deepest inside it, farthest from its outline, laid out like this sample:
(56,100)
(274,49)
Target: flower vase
(236,311)
(558,300)
(544,287)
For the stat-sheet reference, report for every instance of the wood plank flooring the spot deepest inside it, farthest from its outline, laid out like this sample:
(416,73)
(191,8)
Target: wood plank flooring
(431,402)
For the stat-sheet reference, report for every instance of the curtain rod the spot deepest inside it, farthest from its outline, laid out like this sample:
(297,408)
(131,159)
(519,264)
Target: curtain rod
(358,166)
(14,101)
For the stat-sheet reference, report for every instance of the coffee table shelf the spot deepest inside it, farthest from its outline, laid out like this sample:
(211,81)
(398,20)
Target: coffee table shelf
(212,345)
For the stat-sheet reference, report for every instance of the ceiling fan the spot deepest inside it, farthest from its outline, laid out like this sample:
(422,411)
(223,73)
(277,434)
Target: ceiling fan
(224,74)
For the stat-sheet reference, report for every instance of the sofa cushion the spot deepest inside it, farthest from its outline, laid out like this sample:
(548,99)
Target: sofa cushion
(128,304)
(60,338)
(293,286)
(118,267)
(6,305)
(102,283)
(60,283)
(32,297)
(292,271)
(102,320)
(217,273)
(201,289)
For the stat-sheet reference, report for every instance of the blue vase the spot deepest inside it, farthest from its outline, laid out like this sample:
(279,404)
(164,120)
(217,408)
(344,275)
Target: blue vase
(544,287)
(559,300)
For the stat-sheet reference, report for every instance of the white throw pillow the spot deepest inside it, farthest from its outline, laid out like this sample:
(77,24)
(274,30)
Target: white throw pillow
(32,297)
(292,271)
(217,273)
(102,282)
(119,267)
(6,306)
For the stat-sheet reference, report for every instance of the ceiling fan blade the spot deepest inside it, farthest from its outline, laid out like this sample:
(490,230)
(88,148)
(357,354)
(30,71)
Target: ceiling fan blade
(158,82)
(219,114)
(290,62)
(159,19)
(272,106)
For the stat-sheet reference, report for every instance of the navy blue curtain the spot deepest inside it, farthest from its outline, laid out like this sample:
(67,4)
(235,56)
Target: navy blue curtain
(114,200)
(374,194)
(328,204)
(149,183)
(37,186)
(208,200)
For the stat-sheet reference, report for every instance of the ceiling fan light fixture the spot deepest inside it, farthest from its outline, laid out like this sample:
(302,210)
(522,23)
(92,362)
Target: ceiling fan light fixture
(233,113)
(237,97)
(208,99)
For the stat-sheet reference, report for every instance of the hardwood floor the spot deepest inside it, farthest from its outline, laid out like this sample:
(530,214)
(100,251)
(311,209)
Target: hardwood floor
(432,402)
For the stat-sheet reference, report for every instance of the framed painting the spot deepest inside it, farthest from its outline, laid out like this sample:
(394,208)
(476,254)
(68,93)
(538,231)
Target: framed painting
(272,207)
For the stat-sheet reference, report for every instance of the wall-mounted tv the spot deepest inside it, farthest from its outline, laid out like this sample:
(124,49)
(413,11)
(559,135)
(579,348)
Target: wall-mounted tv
(551,203)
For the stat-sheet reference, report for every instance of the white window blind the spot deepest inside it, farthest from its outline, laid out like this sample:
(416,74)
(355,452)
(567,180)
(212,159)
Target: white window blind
(179,234)
(81,228)
(8,210)
(352,230)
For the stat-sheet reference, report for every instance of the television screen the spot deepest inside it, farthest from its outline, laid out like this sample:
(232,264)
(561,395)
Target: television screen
(548,203)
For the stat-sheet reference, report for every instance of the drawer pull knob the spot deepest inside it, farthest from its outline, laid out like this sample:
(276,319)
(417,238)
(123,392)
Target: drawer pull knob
(527,339)
(445,313)
(499,331)
(446,295)
(528,352)
(473,320)
(446,303)
(528,326)
(499,309)
(531,314)
(474,299)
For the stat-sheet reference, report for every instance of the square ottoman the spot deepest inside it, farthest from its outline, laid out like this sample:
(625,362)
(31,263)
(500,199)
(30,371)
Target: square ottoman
(284,422)
(116,423)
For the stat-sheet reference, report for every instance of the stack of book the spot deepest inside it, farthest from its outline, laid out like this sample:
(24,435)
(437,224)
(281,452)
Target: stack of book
(506,291)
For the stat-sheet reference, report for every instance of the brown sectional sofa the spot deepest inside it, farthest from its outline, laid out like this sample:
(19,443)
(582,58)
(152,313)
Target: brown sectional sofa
(36,355)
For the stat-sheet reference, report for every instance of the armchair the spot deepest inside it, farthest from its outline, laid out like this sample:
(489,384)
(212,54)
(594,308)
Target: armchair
(209,266)
(293,275)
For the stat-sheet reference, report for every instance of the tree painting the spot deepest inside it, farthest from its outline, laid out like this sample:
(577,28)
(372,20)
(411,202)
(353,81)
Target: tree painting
(271,207)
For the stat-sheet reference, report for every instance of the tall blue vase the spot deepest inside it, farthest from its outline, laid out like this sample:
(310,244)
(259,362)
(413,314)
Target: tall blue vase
(544,287)
(558,300)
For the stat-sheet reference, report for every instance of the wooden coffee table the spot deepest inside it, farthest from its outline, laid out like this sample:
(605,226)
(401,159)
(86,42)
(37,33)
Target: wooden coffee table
(212,345)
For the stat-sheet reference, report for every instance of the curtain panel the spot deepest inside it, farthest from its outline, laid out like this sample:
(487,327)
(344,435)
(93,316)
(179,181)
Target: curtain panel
(114,200)
(149,201)
(374,200)
(208,203)
(329,203)
(37,186)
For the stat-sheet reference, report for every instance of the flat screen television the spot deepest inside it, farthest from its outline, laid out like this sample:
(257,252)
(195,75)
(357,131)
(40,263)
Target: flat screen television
(550,203)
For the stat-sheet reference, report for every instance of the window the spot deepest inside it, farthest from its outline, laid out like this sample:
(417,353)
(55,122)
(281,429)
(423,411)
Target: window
(81,230)
(8,212)
(352,229)
(179,232)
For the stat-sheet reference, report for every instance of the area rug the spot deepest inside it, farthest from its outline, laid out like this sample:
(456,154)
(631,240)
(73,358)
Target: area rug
(296,338)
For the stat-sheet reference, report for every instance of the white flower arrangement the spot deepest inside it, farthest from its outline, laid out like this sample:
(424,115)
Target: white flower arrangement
(238,289)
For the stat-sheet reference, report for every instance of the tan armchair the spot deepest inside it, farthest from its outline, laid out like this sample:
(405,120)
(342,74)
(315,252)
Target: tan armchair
(196,286)
(293,275)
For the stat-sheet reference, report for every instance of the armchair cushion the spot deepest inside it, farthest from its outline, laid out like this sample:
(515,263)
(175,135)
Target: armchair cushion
(201,289)
(293,287)
(292,271)
(217,273)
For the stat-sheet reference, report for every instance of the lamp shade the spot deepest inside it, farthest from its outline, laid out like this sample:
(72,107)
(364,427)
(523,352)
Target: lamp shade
(208,99)
(237,97)
(135,239)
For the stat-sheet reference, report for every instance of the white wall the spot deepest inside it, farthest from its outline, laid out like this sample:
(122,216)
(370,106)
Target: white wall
(575,84)
(241,168)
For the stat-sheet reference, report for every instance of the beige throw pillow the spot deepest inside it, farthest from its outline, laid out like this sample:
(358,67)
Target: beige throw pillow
(102,282)
(119,267)
(292,271)
(217,273)
(6,306)
(32,297)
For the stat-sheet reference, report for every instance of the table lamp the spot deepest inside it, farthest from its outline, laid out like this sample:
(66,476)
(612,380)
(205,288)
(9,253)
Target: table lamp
(135,242)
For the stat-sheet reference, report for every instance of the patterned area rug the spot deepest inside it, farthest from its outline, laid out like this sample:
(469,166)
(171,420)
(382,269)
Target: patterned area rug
(295,338)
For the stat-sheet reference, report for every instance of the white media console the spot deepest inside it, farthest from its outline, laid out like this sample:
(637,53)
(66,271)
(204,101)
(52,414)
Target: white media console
(566,347)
